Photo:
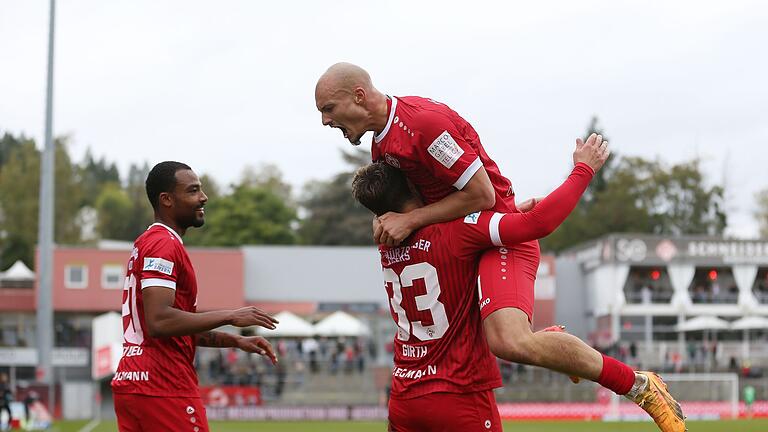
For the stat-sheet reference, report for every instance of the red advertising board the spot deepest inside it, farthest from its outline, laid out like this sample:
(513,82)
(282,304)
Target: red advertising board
(230,396)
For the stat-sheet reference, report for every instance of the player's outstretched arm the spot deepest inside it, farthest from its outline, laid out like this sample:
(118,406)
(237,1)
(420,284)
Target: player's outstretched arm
(478,194)
(163,320)
(488,229)
(552,211)
(252,344)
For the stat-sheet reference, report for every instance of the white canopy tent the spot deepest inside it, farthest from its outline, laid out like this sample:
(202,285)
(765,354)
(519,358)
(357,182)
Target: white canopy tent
(290,325)
(341,324)
(18,271)
(750,323)
(704,322)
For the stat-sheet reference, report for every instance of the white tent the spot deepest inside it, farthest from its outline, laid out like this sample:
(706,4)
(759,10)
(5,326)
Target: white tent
(746,324)
(704,322)
(18,271)
(750,323)
(290,325)
(341,324)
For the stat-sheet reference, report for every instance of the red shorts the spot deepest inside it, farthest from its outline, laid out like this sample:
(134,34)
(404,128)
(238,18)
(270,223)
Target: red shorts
(445,412)
(506,278)
(138,413)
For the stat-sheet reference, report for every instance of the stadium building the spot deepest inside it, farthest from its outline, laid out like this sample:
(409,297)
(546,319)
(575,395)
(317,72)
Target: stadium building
(689,302)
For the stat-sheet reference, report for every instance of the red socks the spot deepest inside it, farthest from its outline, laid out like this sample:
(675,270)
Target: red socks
(616,376)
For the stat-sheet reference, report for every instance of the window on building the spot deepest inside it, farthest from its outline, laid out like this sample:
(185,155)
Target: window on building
(112,276)
(76,276)
(714,285)
(760,287)
(648,284)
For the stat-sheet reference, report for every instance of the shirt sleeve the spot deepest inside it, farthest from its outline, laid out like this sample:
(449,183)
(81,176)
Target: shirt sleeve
(159,266)
(486,229)
(444,151)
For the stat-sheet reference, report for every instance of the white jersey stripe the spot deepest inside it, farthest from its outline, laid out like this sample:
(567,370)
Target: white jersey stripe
(158,282)
(468,173)
(493,227)
(383,133)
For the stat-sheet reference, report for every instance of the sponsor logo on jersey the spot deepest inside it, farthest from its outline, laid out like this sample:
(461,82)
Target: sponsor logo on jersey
(472,218)
(391,160)
(159,265)
(445,149)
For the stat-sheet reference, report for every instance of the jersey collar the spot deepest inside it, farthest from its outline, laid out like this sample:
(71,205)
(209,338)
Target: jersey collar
(379,137)
(168,228)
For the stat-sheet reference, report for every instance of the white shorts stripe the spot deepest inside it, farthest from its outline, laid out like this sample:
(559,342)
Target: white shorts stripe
(468,173)
(493,227)
(158,282)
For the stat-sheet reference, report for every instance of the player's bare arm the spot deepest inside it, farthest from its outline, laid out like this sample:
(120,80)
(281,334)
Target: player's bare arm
(163,320)
(252,344)
(477,195)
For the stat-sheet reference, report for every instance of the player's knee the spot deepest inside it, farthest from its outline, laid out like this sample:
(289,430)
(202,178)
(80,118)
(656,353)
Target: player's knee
(509,336)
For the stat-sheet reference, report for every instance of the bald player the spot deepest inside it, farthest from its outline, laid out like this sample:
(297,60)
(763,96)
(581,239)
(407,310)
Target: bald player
(442,156)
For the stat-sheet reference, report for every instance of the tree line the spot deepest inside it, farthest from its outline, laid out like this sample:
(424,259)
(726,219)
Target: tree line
(94,201)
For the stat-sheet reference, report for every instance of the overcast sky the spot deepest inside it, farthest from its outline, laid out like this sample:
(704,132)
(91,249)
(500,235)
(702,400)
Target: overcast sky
(223,84)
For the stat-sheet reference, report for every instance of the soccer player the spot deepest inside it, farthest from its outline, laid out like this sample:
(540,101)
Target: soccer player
(442,156)
(155,387)
(444,372)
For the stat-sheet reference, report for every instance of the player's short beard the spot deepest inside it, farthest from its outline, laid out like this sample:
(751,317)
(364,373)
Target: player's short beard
(193,221)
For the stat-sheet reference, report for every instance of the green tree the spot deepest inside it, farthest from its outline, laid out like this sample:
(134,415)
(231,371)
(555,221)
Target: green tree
(19,200)
(632,194)
(333,216)
(267,176)
(112,205)
(210,187)
(249,215)
(140,215)
(9,143)
(93,175)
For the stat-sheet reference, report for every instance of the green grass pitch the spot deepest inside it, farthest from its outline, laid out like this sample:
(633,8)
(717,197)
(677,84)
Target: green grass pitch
(756,425)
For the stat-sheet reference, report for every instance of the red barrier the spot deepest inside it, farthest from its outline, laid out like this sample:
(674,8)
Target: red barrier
(230,396)
(626,411)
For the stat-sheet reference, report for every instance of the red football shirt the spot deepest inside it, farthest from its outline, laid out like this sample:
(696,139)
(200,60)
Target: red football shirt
(439,342)
(157,366)
(437,150)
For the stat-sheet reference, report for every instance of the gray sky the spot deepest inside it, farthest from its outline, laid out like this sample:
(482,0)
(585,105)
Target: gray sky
(223,84)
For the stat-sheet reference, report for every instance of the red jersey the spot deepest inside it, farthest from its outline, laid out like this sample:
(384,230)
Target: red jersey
(439,343)
(157,366)
(437,150)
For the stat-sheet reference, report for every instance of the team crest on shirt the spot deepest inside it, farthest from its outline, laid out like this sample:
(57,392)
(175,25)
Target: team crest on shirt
(472,218)
(159,265)
(391,160)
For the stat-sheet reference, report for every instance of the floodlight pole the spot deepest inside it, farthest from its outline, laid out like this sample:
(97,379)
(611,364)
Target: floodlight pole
(45,235)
